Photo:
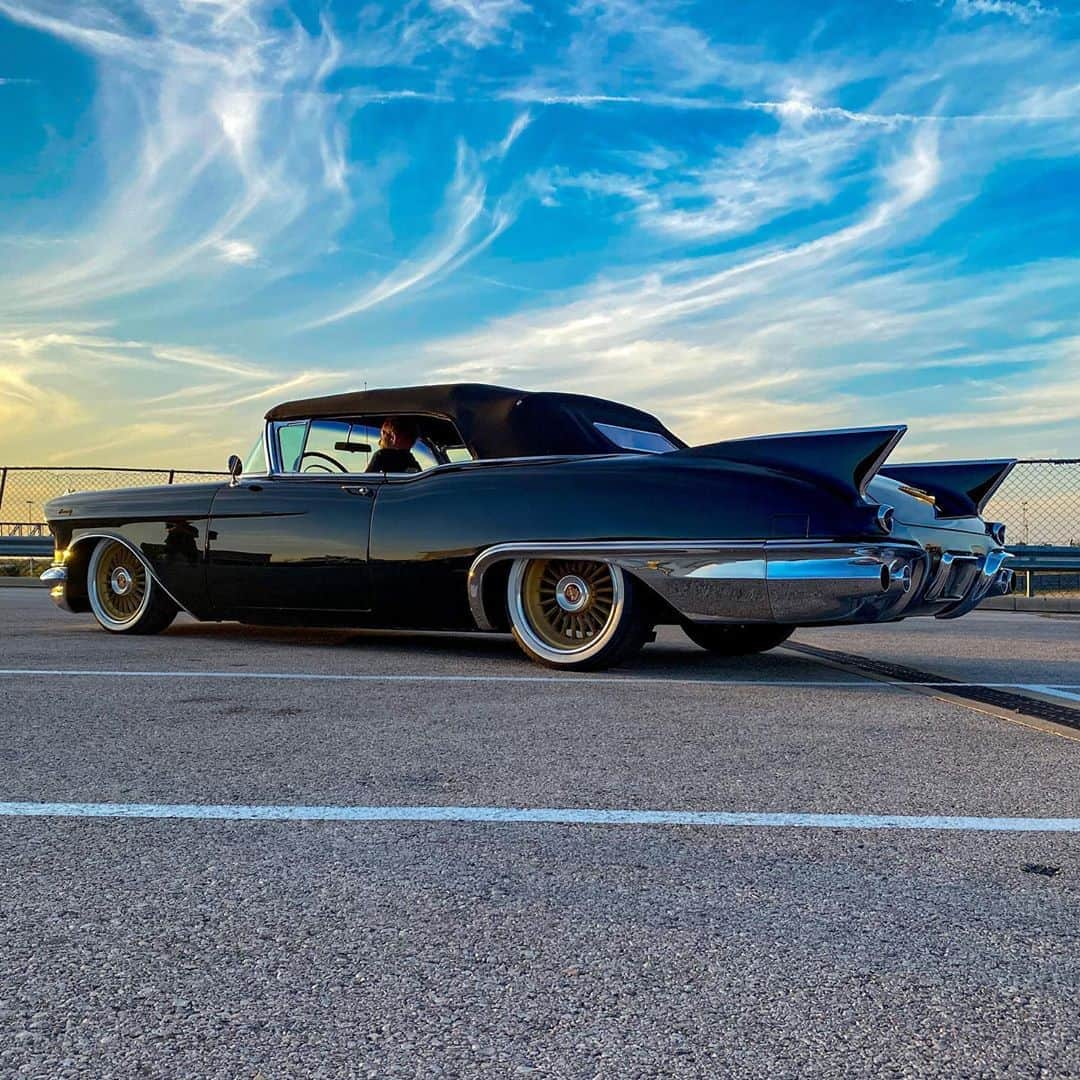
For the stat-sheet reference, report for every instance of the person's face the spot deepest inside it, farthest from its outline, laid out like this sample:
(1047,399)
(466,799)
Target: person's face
(388,436)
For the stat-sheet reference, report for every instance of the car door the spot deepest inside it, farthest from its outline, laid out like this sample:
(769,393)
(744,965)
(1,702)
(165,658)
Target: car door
(291,543)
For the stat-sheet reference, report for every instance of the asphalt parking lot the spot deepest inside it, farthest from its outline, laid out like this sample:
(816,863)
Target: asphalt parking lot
(230,947)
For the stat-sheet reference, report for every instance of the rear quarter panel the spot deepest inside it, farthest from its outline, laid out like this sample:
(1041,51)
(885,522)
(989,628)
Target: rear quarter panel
(427,530)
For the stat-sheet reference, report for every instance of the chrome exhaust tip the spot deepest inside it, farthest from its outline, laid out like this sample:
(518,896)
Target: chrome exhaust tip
(896,575)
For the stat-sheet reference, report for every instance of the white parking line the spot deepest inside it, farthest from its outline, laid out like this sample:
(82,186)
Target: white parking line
(567,679)
(538,816)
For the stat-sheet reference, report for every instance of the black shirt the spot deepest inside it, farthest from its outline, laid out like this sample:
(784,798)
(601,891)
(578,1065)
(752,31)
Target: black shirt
(393,461)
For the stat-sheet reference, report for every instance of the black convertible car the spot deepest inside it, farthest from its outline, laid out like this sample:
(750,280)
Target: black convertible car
(576,523)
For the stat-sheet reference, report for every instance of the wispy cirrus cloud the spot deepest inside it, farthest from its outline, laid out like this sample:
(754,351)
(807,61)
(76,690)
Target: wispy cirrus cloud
(743,222)
(479,23)
(616,312)
(826,331)
(471,225)
(226,148)
(1024,11)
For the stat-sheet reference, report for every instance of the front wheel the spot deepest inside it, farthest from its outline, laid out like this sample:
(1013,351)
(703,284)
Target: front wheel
(575,614)
(124,598)
(737,639)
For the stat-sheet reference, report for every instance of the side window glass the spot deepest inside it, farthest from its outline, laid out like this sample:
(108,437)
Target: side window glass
(425,456)
(362,443)
(347,446)
(290,439)
(326,447)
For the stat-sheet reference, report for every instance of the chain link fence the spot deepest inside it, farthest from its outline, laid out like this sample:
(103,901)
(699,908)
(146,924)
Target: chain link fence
(1039,502)
(25,491)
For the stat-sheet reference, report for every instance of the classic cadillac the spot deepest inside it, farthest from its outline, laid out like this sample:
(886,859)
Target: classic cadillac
(576,523)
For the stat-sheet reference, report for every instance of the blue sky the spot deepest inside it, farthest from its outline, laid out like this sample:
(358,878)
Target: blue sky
(744,217)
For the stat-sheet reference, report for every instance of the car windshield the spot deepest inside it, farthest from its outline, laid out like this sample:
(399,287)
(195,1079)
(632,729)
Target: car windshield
(255,462)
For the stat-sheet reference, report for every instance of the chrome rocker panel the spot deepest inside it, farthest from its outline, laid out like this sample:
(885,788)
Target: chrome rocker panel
(766,581)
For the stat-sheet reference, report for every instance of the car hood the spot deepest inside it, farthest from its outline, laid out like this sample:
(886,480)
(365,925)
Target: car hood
(163,501)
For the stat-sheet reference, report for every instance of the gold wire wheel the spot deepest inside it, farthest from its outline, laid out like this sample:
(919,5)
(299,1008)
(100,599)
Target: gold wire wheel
(568,603)
(119,585)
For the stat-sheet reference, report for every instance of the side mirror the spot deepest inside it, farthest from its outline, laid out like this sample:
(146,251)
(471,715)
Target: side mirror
(236,467)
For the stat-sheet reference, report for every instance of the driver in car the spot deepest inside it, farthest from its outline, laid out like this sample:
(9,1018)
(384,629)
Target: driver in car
(396,439)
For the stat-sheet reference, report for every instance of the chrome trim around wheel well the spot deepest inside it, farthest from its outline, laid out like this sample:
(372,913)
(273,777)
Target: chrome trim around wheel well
(138,555)
(745,581)
(601,551)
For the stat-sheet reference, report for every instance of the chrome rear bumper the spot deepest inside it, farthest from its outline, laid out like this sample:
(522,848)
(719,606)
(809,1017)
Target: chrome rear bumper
(799,583)
(787,583)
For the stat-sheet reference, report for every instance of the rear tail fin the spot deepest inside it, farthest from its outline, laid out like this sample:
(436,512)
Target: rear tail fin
(960,488)
(845,460)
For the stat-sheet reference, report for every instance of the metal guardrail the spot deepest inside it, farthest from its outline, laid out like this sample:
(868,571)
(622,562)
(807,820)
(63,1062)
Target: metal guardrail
(28,546)
(1046,571)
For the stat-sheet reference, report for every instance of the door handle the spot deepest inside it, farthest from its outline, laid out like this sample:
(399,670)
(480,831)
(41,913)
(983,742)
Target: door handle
(363,490)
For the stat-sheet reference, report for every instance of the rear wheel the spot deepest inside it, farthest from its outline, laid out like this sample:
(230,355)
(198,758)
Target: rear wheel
(124,598)
(737,639)
(575,614)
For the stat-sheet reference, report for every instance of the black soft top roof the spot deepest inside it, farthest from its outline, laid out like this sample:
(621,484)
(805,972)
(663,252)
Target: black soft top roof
(494,421)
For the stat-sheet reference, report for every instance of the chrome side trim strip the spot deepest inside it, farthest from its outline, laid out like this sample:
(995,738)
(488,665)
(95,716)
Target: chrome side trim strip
(138,555)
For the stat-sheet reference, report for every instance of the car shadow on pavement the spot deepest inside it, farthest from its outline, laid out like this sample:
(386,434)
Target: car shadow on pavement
(672,656)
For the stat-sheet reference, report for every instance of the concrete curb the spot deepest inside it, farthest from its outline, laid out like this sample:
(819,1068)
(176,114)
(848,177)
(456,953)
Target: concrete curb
(22,583)
(1059,604)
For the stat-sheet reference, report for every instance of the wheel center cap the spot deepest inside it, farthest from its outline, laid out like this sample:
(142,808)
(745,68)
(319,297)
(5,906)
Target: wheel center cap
(571,593)
(121,581)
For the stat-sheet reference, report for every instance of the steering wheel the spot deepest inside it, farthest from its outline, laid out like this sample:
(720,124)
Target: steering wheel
(316,467)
